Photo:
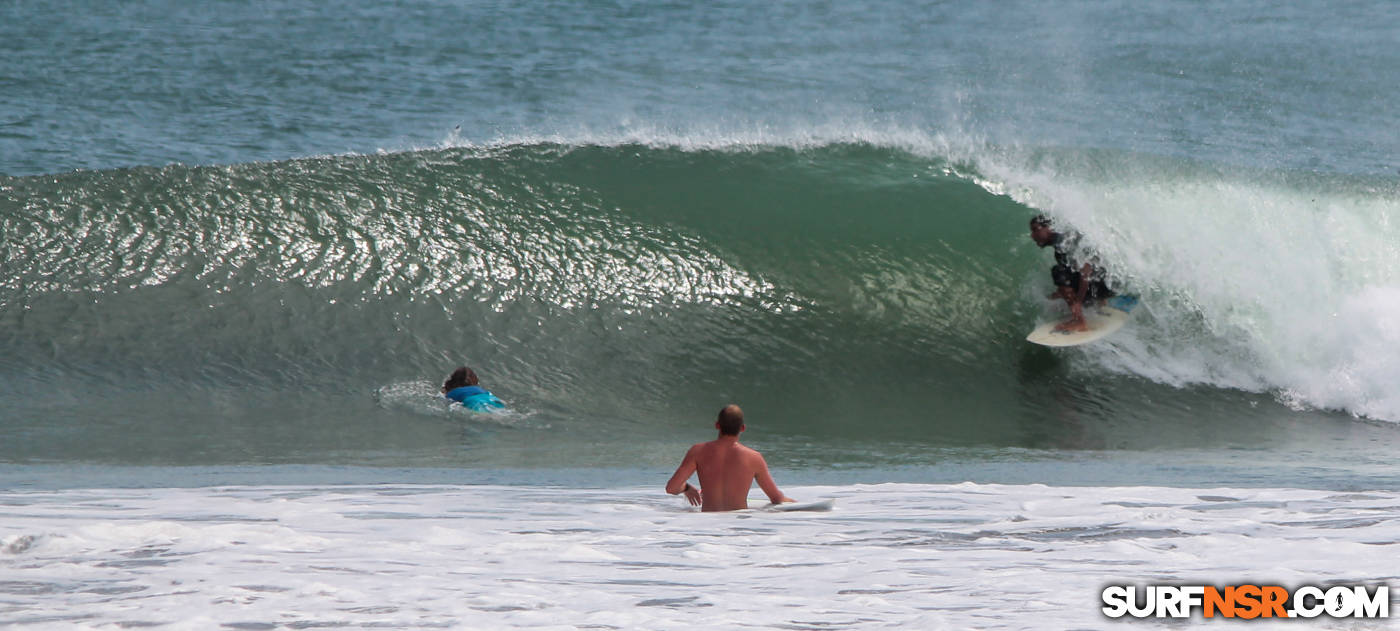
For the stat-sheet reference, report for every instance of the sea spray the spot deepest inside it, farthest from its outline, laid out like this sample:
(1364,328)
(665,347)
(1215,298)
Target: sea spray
(1273,281)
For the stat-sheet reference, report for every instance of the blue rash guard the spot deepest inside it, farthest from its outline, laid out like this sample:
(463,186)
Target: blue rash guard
(476,399)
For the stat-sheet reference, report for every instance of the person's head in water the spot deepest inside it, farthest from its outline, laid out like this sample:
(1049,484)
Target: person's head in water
(460,378)
(731,420)
(1041,232)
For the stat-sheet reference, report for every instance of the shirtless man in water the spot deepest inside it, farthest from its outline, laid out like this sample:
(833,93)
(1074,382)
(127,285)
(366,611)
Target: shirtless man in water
(726,469)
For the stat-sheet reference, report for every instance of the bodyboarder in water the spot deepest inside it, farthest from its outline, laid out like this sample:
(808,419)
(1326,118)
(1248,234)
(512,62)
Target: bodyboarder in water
(1075,282)
(463,387)
(726,469)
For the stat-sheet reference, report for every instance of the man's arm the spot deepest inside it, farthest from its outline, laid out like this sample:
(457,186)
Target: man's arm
(765,482)
(1086,275)
(679,480)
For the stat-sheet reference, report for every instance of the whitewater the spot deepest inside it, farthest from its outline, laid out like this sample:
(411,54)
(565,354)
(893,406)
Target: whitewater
(1293,277)
(889,556)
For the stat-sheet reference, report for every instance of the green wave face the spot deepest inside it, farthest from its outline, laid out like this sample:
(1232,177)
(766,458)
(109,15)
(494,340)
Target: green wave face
(836,292)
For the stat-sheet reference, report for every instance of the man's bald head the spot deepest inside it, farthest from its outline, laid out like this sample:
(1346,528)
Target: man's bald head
(731,420)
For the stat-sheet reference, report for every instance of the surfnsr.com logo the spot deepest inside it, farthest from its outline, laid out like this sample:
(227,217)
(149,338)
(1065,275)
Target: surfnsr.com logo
(1246,601)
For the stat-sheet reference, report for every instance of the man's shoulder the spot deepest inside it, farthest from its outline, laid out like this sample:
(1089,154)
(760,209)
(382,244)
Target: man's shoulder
(749,451)
(699,447)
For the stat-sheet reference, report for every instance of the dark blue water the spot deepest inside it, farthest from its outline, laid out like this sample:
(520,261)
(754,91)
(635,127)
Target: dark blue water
(97,85)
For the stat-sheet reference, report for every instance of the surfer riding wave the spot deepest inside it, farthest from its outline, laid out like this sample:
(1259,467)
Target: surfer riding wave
(1076,282)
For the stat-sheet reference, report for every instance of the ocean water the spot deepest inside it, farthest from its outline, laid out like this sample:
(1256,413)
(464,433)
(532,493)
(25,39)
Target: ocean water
(241,246)
(890,556)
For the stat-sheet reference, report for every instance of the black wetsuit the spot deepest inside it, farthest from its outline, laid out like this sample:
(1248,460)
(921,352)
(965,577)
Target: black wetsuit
(1066,273)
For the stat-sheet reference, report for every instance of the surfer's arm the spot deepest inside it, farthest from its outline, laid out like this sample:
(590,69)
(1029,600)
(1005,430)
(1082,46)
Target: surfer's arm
(765,482)
(1086,274)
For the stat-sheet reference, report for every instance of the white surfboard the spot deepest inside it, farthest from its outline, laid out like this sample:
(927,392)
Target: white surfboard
(1102,320)
(819,505)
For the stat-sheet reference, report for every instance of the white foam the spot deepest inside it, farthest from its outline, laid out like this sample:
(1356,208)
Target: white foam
(889,556)
(1249,281)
